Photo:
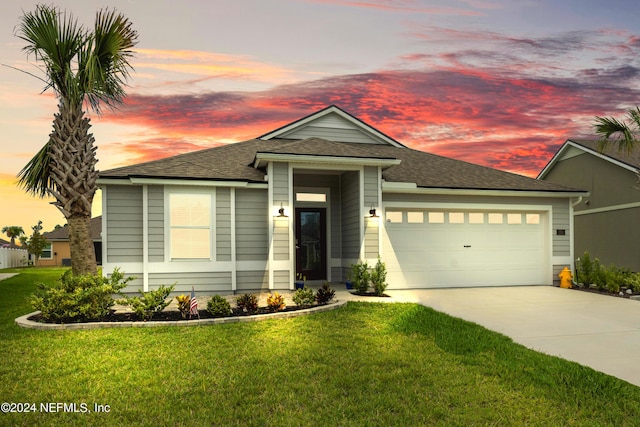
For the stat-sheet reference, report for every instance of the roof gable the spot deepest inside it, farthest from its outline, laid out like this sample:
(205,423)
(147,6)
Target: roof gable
(576,147)
(334,124)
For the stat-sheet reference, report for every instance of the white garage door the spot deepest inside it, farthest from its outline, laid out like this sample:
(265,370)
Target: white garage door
(440,248)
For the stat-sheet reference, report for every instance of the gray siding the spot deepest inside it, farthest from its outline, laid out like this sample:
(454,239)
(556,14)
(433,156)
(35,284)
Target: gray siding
(281,279)
(252,280)
(204,282)
(280,183)
(341,135)
(280,187)
(124,223)
(371,186)
(156,223)
(561,221)
(371,238)
(280,240)
(350,193)
(251,225)
(223,224)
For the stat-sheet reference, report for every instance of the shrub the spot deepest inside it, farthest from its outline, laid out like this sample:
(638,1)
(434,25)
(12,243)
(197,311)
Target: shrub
(149,303)
(184,305)
(360,277)
(378,277)
(584,269)
(248,303)
(633,282)
(304,296)
(78,298)
(218,306)
(275,302)
(325,294)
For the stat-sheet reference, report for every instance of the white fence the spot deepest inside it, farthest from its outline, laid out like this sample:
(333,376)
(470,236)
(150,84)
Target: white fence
(10,257)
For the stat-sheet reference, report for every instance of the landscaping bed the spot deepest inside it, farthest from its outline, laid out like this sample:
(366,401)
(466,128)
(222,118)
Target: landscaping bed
(170,315)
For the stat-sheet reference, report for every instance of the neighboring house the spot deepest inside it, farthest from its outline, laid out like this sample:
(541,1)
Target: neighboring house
(606,222)
(4,244)
(58,252)
(319,194)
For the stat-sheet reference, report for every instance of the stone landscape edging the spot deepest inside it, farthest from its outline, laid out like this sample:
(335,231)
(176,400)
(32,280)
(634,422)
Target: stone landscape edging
(24,322)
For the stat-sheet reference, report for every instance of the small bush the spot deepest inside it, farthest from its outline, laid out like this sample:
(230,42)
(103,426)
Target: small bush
(633,282)
(378,277)
(149,303)
(584,269)
(360,277)
(184,305)
(275,302)
(78,298)
(218,306)
(248,303)
(325,294)
(304,296)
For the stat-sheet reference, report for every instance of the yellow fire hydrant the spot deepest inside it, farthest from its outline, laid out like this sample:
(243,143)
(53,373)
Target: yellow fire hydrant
(565,278)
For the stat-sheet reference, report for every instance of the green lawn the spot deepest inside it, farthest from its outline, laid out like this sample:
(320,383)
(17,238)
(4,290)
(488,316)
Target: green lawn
(363,364)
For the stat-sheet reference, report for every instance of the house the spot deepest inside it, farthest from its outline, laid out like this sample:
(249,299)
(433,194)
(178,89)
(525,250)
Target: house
(58,252)
(319,194)
(605,221)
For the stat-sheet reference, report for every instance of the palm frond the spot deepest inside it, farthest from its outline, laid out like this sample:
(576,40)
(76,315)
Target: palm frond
(105,60)
(35,177)
(54,38)
(612,130)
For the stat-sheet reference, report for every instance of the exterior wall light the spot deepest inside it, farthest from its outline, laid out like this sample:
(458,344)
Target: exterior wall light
(372,212)
(281,213)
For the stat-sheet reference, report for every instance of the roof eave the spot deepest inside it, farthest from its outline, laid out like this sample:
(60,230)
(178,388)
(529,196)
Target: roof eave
(262,159)
(132,180)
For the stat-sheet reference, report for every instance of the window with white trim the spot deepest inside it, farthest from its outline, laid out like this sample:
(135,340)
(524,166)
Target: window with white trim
(190,226)
(394,216)
(456,217)
(495,218)
(514,218)
(47,252)
(476,218)
(533,218)
(436,217)
(415,217)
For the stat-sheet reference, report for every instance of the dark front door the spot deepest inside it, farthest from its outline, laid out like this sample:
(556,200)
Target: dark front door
(311,243)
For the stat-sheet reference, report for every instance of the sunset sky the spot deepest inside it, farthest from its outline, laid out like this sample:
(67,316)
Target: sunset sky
(501,83)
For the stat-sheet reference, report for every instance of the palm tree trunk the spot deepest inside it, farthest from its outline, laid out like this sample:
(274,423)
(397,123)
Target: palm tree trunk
(73,173)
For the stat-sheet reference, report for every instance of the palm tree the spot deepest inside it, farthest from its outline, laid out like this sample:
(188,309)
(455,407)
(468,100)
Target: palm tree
(80,66)
(13,231)
(626,135)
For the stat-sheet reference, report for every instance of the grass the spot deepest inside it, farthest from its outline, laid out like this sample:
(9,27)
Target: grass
(363,364)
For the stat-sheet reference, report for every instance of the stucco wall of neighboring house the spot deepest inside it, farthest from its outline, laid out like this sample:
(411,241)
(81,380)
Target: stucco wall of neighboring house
(604,226)
(59,251)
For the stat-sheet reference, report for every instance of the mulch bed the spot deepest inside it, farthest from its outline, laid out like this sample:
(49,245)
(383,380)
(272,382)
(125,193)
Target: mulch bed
(169,315)
(368,294)
(604,292)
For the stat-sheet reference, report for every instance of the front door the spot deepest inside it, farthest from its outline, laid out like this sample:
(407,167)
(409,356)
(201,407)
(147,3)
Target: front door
(311,243)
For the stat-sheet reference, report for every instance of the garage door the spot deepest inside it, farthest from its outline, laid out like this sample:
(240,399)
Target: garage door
(439,248)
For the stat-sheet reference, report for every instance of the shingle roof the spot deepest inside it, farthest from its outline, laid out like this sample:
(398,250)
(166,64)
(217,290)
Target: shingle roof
(62,233)
(631,159)
(235,162)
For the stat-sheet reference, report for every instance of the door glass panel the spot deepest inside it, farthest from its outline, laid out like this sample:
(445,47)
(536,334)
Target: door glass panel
(310,241)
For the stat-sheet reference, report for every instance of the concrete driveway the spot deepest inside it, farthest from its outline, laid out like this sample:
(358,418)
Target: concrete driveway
(594,330)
